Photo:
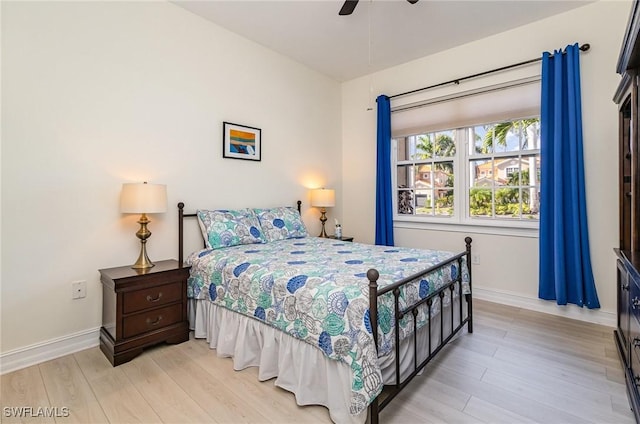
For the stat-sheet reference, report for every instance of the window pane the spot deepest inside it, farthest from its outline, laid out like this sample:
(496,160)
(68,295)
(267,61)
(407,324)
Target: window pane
(530,162)
(405,202)
(495,138)
(424,147)
(507,171)
(531,202)
(480,202)
(531,134)
(424,202)
(444,144)
(423,177)
(406,147)
(507,202)
(443,174)
(444,202)
(476,138)
(512,137)
(481,173)
(405,176)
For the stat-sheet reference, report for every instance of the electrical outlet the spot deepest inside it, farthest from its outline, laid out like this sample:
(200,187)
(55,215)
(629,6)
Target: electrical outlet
(475,259)
(78,289)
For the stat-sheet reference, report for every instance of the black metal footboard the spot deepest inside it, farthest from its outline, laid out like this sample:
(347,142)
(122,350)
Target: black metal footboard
(391,391)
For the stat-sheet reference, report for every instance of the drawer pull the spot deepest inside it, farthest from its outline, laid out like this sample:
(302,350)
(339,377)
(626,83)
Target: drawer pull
(155,322)
(635,302)
(154,299)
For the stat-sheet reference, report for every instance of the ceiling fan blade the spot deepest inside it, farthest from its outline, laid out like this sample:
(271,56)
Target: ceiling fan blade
(348,7)
(413,1)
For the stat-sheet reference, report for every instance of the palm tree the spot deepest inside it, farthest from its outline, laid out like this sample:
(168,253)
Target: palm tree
(499,132)
(442,146)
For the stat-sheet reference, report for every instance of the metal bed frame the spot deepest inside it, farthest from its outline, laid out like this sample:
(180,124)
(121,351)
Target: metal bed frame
(392,390)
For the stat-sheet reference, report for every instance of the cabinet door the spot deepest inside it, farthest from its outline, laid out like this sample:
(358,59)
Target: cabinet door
(625,175)
(623,308)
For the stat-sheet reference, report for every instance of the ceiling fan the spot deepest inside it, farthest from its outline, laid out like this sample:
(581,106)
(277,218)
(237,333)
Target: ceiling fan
(349,6)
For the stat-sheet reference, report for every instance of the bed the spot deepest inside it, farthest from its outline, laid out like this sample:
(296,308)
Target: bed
(302,308)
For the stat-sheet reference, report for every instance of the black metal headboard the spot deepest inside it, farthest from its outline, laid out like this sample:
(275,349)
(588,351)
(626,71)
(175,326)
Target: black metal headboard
(182,216)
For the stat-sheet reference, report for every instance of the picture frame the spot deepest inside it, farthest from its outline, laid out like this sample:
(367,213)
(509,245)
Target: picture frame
(241,142)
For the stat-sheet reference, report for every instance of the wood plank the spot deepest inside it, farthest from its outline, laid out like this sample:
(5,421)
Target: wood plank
(214,394)
(593,407)
(491,413)
(535,371)
(24,388)
(66,385)
(413,401)
(166,398)
(121,402)
(428,389)
(506,399)
(269,402)
(93,363)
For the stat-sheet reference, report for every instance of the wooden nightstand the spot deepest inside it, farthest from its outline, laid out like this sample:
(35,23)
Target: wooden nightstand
(342,238)
(142,309)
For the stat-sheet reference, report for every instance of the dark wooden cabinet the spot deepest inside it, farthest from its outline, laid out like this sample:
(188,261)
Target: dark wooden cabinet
(627,333)
(140,309)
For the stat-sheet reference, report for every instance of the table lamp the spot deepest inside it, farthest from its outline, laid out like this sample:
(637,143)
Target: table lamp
(323,198)
(143,198)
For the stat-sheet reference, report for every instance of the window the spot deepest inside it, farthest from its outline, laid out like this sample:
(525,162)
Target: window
(476,174)
(425,174)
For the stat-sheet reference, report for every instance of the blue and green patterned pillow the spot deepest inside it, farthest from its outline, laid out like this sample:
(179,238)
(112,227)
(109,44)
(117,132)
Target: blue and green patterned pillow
(281,223)
(224,228)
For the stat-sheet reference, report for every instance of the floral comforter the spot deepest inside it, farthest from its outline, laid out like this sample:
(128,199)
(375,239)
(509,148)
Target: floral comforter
(317,291)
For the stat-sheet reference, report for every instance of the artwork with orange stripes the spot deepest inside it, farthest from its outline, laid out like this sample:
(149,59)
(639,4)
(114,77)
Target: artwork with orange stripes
(241,142)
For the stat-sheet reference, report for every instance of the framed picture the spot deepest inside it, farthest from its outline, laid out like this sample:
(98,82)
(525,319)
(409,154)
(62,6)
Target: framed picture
(241,142)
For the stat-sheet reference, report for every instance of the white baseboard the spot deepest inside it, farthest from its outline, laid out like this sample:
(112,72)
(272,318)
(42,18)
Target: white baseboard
(596,316)
(48,350)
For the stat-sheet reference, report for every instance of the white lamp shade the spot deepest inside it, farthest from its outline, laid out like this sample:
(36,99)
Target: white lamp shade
(323,198)
(143,198)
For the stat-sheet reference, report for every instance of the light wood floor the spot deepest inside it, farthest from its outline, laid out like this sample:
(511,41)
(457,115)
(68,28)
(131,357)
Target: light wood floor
(517,367)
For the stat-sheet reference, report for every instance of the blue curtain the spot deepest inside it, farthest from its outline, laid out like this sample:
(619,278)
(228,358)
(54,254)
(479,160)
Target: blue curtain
(565,264)
(384,210)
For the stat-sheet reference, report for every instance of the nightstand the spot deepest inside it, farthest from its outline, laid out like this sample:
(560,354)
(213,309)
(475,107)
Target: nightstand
(140,309)
(343,238)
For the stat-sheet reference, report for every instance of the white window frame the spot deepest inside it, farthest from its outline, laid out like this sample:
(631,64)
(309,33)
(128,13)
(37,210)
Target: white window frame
(461,220)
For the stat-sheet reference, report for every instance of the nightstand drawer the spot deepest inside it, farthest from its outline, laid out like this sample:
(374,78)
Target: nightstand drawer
(151,297)
(151,320)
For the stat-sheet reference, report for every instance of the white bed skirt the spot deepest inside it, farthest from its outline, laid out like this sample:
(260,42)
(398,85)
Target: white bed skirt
(298,366)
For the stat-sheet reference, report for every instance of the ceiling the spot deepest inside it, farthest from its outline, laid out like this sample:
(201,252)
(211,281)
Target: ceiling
(379,34)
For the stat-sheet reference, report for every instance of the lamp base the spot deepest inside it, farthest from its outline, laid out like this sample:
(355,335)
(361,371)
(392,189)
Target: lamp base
(143,234)
(143,261)
(323,219)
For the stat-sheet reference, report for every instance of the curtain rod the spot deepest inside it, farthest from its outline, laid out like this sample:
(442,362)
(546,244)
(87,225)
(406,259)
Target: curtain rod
(456,81)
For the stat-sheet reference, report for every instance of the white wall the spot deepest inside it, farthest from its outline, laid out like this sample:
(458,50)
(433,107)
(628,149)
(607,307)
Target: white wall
(509,265)
(100,93)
